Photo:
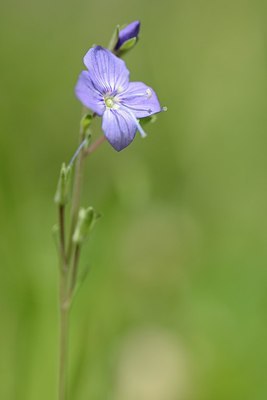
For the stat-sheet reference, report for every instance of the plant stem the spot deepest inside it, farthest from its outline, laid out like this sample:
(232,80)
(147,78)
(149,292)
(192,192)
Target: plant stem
(61,213)
(94,145)
(74,269)
(63,338)
(69,268)
(76,197)
(63,309)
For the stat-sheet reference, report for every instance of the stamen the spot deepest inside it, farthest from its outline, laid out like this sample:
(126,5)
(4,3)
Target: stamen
(148,110)
(149,93)
(138,126)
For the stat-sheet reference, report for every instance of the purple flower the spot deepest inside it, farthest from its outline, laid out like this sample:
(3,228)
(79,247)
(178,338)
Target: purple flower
(106,90)
(129,32)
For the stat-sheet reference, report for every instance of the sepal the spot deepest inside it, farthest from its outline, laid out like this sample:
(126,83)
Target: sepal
(114,38)
(127,45)
(86,122)
(86,221)
(148,120)
(63,188)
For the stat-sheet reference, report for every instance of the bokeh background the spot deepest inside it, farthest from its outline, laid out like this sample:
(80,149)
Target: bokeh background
(174,307)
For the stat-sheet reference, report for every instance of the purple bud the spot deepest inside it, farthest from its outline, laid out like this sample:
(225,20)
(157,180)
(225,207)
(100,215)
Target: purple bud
(129,32)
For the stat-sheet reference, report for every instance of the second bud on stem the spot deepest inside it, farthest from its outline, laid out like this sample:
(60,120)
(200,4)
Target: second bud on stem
(86,221)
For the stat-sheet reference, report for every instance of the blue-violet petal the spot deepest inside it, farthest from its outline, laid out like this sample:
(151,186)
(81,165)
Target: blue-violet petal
(119,128)
(107,72)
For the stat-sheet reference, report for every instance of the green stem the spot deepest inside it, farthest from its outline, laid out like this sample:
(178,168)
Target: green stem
(76,194)
(63,309)
(61,213)
(74,271)
(76,197)
(69,269)
(63,338)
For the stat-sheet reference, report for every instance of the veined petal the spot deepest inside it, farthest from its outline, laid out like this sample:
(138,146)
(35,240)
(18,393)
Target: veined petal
(140,99)
(88,94)
(108,73)
(119,128)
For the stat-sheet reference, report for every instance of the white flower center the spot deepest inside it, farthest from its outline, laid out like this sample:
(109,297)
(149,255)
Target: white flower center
(111,102)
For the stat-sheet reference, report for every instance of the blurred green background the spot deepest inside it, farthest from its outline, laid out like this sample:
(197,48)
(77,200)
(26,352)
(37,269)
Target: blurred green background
(174,307)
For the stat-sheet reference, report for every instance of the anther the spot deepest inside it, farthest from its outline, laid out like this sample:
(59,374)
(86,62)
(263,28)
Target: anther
(149,92)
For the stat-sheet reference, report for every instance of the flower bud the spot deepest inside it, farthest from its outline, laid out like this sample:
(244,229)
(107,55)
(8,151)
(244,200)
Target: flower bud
(127,37)
(63,187)
(86,220)
(86,122)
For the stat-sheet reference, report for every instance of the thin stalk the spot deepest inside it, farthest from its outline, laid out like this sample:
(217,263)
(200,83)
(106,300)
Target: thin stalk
(75,155)
(61,213)
(63,310)
(74,271)
(63,338)
(69,269)
(94,145)
(76,194)
(76,197)
(77,186)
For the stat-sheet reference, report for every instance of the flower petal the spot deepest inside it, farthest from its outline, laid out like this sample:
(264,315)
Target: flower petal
(108,73)
(88,94)
(119,128)
(140,99)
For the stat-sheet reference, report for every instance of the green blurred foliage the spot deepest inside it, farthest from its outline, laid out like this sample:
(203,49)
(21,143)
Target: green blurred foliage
(178,277)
